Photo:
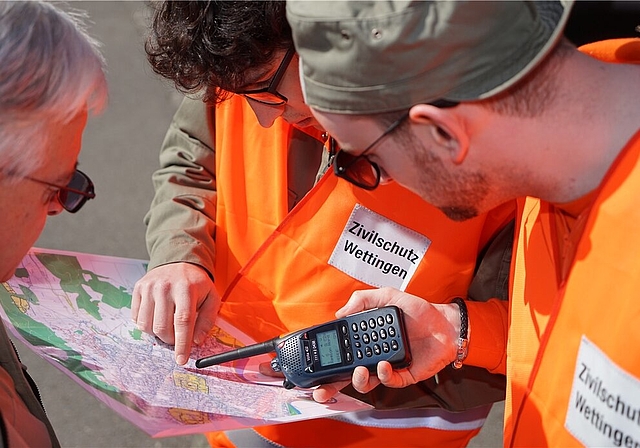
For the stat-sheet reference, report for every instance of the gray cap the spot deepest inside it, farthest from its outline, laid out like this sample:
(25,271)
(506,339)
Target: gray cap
(362,57)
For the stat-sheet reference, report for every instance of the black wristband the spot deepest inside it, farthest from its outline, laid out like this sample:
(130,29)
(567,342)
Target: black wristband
(463,340)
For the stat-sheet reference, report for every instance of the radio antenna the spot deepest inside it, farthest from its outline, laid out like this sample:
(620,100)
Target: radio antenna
(243,352)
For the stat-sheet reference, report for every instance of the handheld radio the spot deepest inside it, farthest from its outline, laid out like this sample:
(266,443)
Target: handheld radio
(329,352)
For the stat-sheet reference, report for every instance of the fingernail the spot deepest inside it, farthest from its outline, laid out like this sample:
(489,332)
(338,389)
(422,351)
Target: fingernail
(199,338)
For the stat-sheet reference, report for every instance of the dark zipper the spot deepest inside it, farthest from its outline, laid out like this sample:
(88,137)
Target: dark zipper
(32,383)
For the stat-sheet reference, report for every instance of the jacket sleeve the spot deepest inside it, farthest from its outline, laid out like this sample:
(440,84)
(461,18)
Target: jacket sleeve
(181,220)
(488,336)
(488,303)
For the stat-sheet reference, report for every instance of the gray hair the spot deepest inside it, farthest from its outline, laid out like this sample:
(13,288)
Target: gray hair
(50,70)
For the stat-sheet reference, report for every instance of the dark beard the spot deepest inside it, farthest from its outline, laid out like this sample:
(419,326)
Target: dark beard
(466,188)
(459,213)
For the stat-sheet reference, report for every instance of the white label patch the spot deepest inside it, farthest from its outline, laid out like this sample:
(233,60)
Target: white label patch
(378,251)
(604,406)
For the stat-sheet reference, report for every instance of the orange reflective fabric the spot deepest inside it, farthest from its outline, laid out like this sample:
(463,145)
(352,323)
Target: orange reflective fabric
(598,299)
(286,283)
(289,284)
(528,319)
(251,180)
(614,50)
(218,440)
(332,433)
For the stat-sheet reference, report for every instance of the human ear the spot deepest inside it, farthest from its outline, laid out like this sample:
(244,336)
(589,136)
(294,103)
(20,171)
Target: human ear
(446,127)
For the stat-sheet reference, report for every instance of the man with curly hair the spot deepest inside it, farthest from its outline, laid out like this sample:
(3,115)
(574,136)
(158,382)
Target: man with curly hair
(238,217)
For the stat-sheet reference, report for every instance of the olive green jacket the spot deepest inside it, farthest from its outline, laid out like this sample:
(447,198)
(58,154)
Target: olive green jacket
(181,220)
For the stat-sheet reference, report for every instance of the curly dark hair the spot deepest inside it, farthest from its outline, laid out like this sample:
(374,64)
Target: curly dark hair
(208,46)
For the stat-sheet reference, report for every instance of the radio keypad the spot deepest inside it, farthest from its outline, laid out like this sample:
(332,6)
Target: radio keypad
(329,352)
(370,332)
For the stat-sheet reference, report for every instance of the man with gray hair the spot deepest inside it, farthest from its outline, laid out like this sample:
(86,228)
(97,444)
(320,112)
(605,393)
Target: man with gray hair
(469,105)
(51,77)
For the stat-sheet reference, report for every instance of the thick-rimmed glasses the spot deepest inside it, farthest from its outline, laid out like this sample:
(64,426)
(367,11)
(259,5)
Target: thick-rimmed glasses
(361,171)
(269,95)
(74,195)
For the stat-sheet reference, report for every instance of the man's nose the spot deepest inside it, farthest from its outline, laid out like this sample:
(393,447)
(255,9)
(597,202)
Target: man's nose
(265,114)
(55,207)
(384,177)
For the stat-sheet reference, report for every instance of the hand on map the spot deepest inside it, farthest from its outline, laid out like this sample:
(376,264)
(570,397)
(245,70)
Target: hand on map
(433,331)
(178,303)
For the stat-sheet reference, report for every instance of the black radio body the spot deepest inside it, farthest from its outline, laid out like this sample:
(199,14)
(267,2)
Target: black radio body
(331,351)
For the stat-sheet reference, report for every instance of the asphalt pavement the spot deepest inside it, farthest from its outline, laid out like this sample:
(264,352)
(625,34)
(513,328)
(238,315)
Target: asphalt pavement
(120,152)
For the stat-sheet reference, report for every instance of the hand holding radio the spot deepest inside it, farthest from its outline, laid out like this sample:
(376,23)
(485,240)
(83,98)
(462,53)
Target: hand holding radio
(433,331)
(329,352)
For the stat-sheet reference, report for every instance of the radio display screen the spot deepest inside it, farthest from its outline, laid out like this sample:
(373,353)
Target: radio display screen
(328,348)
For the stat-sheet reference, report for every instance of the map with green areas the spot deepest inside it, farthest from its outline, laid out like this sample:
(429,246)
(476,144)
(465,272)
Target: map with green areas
(74,310)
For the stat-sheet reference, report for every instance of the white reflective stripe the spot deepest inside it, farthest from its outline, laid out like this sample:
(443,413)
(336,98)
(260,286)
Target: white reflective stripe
(433,418)
(249,438)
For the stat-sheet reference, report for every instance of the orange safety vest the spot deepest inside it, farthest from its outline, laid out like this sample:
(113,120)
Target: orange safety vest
(289,279)
(573,373)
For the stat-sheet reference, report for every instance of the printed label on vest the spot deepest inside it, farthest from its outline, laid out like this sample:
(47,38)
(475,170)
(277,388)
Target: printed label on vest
(604,406)
(378,251)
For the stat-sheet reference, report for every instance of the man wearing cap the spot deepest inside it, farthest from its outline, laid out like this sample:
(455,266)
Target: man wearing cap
(535,119)
(236,211)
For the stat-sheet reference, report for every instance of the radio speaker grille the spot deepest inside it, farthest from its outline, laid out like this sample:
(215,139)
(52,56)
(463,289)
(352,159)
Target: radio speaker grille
(290,356)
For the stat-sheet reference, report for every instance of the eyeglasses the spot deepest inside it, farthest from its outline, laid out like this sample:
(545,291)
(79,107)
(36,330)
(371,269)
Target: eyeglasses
(361,171)
(269,95)
(72,196)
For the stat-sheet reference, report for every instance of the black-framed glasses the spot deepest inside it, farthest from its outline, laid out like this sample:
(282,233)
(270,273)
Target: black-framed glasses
(270,95)
(74,195)
(361,171)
